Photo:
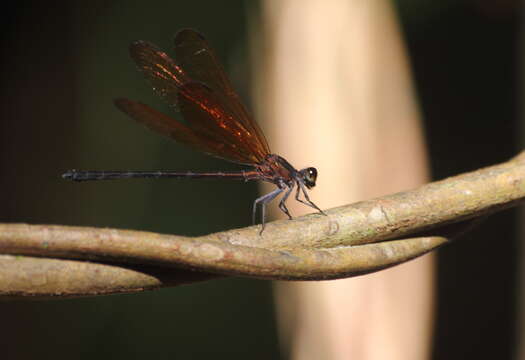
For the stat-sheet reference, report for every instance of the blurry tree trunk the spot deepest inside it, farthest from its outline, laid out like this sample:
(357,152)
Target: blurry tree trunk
(520,321)
(335,93)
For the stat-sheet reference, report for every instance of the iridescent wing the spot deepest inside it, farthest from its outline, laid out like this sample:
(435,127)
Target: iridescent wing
(218,123)
(194,54)
(165,125)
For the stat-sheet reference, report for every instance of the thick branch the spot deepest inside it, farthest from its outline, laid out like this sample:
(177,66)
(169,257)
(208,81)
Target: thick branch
(27,277)
(457,198)
(350,241)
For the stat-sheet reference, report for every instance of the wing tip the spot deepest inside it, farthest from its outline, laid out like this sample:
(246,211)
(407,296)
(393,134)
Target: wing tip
(140,48)
(120,101)
(123,104)
(187,33)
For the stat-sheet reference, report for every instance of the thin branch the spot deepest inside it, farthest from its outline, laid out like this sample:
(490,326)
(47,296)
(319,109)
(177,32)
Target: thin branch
(352,240)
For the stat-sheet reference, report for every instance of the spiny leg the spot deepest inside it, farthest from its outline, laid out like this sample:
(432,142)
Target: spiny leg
(264,200)
(308,201)
(282,204)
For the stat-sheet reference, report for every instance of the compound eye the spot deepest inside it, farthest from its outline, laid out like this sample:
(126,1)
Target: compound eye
(310,177)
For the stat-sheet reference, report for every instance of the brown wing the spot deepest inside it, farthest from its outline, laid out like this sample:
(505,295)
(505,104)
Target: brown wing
(215,124)
(168,126)
(195,56)
(198,103)
(160,70)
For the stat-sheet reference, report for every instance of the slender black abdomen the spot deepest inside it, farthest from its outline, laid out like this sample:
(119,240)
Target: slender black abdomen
(114,175)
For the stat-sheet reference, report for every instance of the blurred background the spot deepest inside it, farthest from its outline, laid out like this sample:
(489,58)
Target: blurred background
(63,64)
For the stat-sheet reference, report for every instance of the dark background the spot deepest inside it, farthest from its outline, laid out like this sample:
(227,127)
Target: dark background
(63,63)
(467,65)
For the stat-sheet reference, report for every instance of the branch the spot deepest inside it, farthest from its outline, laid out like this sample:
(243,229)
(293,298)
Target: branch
(352,240)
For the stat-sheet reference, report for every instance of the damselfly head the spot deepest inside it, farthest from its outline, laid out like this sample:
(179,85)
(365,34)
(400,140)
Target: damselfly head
(309,176)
